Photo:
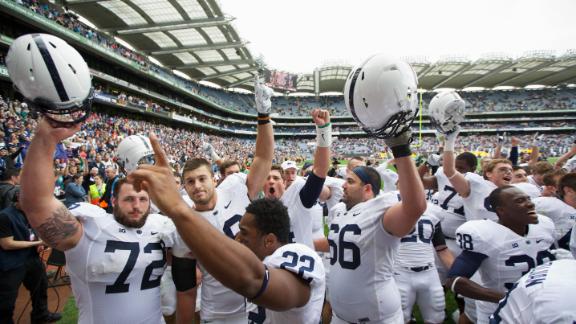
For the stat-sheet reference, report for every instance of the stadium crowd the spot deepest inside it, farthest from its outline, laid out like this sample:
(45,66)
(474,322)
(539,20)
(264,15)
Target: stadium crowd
(477,102)
(102,133)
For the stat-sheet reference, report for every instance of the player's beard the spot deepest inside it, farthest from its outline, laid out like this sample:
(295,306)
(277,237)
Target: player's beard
(121,218)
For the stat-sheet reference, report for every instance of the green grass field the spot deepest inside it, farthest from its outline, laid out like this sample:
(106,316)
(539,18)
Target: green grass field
(70,313)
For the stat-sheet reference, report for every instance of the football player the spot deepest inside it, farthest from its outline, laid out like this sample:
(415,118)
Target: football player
(288,278)
(414,269)
(473,188)
(500,251)
(366,228)
(265,229)
(223,207)
(561,210)
(546,294)
(301,196)
(115,261)
(447,198)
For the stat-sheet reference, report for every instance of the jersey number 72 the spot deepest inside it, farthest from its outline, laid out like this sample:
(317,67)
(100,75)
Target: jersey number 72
(120,285)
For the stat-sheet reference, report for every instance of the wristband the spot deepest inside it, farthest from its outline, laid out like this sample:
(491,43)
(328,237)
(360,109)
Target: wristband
(324,135)
(263,119)
(264,284)
(454,284)
(401,151)
(449,145)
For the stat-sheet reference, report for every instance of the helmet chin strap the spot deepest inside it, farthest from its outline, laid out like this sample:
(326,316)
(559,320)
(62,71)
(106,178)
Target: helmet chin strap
(70,115)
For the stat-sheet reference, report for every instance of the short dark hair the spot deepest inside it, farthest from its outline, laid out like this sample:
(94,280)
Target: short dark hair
(271,216)
(195,163)
(495,197)
(8,172)
(568,180)
(277,168)
(119,183)
(470,159)
(372,177)
(226,164)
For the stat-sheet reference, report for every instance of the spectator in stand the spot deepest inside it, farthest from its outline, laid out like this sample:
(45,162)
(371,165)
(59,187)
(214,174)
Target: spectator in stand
(111,178)
(97,190)
(74,192)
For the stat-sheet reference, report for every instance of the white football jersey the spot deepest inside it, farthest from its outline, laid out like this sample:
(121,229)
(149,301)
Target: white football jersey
(306,264)
(116,270)
(509,256)
(317,213)
(361,283)
(532,181)
(336,191)
(573,241)
(476,205)
(301,218)
(562,214)
(416,248)
(546,294)
(217,300)
(451,203)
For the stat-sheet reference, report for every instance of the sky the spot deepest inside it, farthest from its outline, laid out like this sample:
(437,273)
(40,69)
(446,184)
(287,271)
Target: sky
(300,35)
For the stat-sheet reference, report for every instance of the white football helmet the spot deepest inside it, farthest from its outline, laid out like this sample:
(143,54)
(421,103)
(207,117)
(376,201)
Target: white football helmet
(133,151)
(381,95)
(446,111)
(52,76)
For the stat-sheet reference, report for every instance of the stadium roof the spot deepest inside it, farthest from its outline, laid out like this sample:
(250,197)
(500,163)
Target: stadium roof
(191,36)
(196,38)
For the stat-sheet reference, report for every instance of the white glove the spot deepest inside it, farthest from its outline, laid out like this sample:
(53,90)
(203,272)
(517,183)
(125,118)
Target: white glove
(451,140)
(439,137)
(502,139)
(262,96)
(537,140)
(562,254)
(209,151)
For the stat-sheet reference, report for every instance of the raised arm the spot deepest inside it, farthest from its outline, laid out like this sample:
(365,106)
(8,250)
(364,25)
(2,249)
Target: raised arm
(230,262)
(428,181)
(314,187)
(535,150)
(400,218)
(51,219)
(457,179)
(321,118)
(264,141)
(565,157)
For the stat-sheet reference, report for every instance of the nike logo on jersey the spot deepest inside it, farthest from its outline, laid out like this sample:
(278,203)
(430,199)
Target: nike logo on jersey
(538,241)
(226,207)
(355,214)
(153,233)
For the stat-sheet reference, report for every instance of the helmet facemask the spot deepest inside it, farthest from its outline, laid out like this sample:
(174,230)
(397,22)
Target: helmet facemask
(63,115)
